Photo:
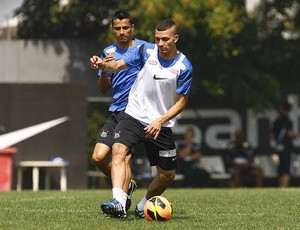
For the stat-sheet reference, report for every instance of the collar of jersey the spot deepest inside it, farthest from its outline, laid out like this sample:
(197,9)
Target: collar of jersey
(121,50)
(168,63)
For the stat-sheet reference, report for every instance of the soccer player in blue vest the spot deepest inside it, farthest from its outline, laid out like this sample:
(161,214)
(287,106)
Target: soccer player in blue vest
(158,95)
(120,82)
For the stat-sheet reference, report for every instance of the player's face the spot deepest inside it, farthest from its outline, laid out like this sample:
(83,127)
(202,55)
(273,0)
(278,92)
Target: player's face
(166,41)
(122,30)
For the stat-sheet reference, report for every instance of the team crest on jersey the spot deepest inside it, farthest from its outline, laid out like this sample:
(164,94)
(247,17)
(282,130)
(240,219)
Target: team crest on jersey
(111,50)
(152,62)
(104,134)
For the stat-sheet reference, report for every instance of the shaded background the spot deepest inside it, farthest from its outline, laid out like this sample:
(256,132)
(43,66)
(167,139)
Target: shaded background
(245,56)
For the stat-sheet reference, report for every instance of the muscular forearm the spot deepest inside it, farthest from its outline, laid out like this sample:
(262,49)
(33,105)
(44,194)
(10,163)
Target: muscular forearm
(115,66)
(175,109)
(109,67)
(153,129)
(104,83)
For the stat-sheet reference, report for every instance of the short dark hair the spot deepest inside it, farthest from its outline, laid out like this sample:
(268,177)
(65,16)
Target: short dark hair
(121,14)
(165,24)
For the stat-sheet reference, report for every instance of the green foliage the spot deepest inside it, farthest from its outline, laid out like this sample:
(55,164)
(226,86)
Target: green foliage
(77,19)
(271,208)
(219,19)
(235,54)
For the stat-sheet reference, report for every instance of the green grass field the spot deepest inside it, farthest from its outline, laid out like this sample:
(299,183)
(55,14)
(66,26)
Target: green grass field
(268,208)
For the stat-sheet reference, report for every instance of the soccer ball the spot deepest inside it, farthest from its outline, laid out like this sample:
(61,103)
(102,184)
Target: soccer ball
(158,208)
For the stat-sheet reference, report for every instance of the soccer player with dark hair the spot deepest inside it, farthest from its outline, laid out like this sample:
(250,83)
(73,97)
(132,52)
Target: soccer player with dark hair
(120,82)
(158,95)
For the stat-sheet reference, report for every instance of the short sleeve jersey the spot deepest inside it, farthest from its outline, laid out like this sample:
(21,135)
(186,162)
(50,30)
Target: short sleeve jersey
(158,82)
(124,79)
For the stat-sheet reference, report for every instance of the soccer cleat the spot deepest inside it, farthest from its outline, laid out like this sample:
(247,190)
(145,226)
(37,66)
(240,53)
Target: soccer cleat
(128,204)
(131,189)
(113,209)
(138,213)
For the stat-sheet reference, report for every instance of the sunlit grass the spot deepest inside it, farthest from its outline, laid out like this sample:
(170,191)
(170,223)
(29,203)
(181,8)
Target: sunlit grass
(193,209)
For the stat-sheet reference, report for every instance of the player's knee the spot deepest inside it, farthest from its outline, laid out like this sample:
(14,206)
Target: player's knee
(119,150)
(94,159)
(97,157)
(168,175)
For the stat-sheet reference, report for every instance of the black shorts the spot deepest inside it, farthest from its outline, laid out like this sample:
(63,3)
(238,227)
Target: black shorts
(160,152)
(285,162)
(106,134)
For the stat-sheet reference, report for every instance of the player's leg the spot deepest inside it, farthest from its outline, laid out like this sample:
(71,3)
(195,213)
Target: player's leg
(237,176)
(284,168)
(128,173)
(101,155)
(101,159)
(130,184)
(123,137)
(258,175)
(116,207)
(160,183)
(118,169)
(162,154)
(284,180)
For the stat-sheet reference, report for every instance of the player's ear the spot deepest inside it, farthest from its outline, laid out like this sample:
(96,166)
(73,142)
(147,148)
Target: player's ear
(176,37)
(132,28)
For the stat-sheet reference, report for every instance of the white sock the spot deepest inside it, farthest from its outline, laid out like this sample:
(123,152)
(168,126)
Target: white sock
(124,199)
(141,204)
(118,194)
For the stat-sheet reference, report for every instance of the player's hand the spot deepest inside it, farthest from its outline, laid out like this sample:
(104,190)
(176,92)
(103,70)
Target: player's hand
(109,58)
(96,62)
(153,129)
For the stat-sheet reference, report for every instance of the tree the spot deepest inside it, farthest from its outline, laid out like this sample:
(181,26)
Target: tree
(278,27)
(77,19)
(239,55)
(236,54)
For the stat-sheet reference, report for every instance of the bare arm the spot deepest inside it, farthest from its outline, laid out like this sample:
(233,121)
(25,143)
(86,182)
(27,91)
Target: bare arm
(104,83)
(153,129)
(109,67)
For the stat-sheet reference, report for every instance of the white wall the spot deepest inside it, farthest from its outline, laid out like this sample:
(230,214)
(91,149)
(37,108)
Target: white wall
(49,61)
(26,62)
